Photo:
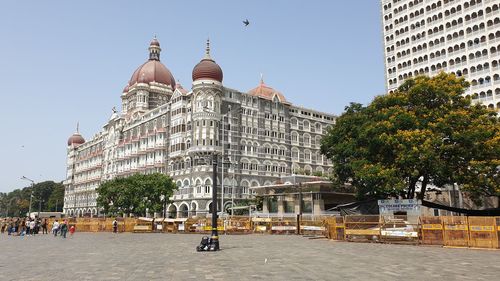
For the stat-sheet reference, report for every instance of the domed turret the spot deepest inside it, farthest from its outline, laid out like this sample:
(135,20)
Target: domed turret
(76,138)
(207,68)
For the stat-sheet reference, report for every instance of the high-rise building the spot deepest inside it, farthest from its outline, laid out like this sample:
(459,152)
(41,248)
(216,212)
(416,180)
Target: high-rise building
(455,36)
(165,128)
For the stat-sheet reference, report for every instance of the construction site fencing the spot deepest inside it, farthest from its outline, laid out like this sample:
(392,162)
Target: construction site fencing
(362,228)
(334,227)
(483,232)
(451,231)
(399,229)
(431,230)
(456,231)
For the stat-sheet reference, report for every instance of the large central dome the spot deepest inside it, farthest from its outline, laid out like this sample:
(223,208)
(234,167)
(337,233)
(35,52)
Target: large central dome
(153,70)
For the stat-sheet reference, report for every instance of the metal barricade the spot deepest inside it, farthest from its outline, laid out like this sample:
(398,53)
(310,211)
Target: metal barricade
(456,231)
(362,228)
(483,232)
(283,226)
(399,229)
(431,231)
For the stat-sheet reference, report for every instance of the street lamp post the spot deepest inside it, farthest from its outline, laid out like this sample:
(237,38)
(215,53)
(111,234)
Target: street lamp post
(40,201)
(32,189)
(215,235)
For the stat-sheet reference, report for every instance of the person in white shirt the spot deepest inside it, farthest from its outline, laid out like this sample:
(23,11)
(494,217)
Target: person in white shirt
(55,228)
(32,227)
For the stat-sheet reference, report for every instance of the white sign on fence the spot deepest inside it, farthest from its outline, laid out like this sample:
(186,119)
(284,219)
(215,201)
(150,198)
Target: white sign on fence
(411,206)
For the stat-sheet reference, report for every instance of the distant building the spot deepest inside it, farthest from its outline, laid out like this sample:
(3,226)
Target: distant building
(455,36)
(165,128)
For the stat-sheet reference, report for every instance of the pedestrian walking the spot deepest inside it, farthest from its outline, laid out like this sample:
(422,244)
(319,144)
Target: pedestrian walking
(32,227)
(55,228)
(115,226)
(71,231)
(64,229)
(44,226)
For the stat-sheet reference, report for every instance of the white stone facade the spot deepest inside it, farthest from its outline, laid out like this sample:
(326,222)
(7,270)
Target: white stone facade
(172,131)
(457,36)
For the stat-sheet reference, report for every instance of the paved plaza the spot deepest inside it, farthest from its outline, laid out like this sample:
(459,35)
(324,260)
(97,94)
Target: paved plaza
(127,256)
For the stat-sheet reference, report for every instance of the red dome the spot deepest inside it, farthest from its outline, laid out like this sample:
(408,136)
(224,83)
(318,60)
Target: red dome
(76,138)
(125,90)
(152,71)
(207,69)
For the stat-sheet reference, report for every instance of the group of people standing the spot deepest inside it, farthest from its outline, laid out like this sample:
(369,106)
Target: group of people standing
(62,228)
(32,227)
(22,227)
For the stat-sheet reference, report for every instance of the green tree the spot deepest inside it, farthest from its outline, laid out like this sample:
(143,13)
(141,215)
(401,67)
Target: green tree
(424,133)
(135,194)
(17,201)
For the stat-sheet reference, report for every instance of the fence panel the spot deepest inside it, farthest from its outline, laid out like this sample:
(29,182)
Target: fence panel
(483,232)
(359,227)
(283,226)
(261,225)
(312,227)
(334,227)
(399,229)
(431,230)
(238,225)
(456,231)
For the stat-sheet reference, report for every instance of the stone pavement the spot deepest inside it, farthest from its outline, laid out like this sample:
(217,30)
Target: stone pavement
(127,256)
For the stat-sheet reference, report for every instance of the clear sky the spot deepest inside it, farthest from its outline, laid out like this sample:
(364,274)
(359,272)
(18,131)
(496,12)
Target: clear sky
(68,61)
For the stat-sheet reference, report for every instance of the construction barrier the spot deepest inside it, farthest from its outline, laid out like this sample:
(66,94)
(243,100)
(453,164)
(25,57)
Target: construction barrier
(455,231)
(362,228)
(238,225)
(283,226)
(335,228)
(399,229)
(261,225)
(431,230)
(483,232)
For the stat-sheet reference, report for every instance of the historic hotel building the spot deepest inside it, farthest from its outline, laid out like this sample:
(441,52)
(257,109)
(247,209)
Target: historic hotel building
(457,36)
(165,128)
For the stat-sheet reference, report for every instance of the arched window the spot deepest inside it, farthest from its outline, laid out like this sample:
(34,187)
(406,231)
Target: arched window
(307,125)
(307,140)
(208,186)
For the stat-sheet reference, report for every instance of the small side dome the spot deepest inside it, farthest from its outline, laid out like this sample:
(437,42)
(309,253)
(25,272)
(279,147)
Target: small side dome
(207,68)
(154,42)
(76,139)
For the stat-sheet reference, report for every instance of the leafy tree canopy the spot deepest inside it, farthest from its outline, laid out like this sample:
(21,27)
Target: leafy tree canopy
(47,196)
(135,194)
(424,133)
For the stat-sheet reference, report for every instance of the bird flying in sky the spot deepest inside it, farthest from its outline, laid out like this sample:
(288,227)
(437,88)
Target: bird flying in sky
(246,22)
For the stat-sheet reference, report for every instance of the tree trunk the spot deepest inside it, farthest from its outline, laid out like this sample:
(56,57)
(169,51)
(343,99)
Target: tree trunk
(411,188)
(424,187)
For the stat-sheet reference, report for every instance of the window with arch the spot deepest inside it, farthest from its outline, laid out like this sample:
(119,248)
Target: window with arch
(307,140)
(208,186)
(294,137)
(306,125)
(295,154)
(244,187)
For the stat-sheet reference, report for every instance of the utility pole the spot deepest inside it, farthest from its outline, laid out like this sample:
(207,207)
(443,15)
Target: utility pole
(215,235)
(39,206)
(32,189)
